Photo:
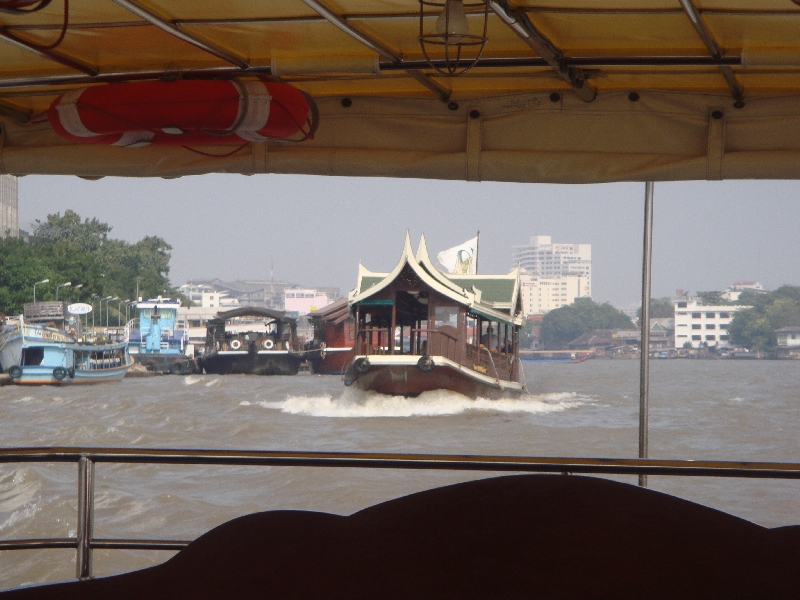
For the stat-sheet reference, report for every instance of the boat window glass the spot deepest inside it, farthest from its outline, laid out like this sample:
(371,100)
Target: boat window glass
(32,356)
(446,315)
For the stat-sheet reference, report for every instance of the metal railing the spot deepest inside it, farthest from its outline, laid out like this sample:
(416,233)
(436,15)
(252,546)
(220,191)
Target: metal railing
(86,458)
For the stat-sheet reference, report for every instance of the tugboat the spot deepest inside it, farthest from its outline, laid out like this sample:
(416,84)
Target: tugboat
(252,341)
(418,329)
(45,346)
(156,339)
(334,335)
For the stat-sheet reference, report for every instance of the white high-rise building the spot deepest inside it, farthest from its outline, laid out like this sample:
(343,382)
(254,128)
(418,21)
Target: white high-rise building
(9,205)
(545,259)
(540,295)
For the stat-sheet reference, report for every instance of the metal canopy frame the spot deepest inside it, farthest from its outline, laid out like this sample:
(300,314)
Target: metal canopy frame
(519,21)
(713,47)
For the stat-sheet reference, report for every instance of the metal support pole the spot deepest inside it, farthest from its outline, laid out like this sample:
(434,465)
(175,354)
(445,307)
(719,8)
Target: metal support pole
(85,518)
(644,325)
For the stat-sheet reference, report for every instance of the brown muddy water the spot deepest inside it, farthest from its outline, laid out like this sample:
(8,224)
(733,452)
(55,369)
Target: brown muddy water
(722,410)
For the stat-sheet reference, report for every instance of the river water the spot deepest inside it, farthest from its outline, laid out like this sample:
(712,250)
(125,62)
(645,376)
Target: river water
(725,410)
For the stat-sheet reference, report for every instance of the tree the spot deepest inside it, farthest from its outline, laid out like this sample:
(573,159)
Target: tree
(660,308)
(561,326)
(755,327)
(713,299)
(70,249)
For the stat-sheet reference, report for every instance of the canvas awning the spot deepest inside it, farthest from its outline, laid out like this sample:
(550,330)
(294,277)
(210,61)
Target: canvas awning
(568,91)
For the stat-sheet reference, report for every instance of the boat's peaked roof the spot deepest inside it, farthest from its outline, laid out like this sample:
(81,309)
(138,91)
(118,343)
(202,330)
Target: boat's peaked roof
(252,311)
(494,296)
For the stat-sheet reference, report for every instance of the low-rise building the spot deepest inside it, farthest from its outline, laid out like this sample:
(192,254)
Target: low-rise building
(303,301)
(788,342)
(697,324)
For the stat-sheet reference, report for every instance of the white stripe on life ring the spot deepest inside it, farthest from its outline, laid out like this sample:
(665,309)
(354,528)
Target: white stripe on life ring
(135,139)
(258,105)
(269,344)
(69,116)
(236,344)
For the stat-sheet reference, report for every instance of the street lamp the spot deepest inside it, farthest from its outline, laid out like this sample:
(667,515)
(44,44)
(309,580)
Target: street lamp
(92,301)
(127,306)
(107,298)
(119,312)
(37,283)
(77,287)
(110,298)
(69,283)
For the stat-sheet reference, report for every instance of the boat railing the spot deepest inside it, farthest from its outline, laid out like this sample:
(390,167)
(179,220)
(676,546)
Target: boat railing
(496,364)
(84,542)
(421,341)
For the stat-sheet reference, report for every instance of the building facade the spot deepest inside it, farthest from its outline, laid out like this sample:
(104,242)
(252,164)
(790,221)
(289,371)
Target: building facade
(698,324)
(545,259)
(540,295)
(9,206)
(303,301)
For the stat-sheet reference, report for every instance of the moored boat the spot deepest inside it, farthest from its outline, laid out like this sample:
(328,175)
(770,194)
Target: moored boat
(418,330)
(44,347)
(157,339)
(334,334)
(252,341)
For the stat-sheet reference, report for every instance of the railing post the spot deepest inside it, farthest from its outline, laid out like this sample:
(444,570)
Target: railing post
(85,517)
(644,325)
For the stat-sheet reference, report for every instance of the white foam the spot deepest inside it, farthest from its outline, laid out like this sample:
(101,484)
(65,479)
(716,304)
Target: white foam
(212,382)
(356,404)
(24,399)
(245,403)
(191,379)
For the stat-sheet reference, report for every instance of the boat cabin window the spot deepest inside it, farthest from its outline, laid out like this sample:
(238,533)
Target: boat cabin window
(32,356)
(446,315)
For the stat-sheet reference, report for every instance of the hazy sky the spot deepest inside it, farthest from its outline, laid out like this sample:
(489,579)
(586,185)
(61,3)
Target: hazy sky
(315,229)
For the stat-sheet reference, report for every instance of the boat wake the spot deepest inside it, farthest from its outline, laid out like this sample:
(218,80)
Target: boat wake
(357,404)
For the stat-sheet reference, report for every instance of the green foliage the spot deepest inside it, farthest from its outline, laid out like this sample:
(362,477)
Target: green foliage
(66,249)
(755,327)
(561,326)
(660,308)
(713,299)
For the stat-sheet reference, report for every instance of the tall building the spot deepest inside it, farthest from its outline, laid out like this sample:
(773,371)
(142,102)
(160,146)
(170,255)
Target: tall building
(543,258)
(9,204)
(540,295)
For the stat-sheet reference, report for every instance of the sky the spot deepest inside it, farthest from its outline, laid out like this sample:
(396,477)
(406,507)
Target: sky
(315,230)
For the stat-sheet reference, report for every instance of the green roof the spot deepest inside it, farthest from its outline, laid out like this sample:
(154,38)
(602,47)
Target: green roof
(492,290)
(369,281)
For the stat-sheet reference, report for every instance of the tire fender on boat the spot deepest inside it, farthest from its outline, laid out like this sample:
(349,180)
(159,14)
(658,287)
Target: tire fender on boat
(425,364)
(362,365)
(59,373)
(269,344)
(236,344)
(15,372)
(71,372)
(322,347)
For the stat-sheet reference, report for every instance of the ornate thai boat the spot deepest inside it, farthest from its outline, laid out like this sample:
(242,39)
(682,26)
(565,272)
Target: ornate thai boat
(418,330)
(252,341)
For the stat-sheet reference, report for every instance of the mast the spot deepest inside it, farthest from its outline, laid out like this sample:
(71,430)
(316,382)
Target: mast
(477,247)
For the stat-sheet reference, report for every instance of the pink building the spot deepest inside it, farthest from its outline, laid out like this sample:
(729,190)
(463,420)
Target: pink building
(304,301)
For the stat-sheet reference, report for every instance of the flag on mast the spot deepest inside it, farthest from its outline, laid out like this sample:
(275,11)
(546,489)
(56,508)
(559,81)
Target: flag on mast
(461,259)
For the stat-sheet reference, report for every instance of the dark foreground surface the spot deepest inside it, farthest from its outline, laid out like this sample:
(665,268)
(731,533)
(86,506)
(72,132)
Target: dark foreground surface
(539,536)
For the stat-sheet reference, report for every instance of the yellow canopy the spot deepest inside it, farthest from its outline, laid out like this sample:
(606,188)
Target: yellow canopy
(566,90)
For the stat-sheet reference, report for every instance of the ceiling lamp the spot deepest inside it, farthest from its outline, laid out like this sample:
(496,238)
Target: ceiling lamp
(461,49)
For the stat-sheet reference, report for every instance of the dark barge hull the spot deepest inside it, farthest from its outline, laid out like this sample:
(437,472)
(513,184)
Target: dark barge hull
(410,380)
(251,363)
(177,364)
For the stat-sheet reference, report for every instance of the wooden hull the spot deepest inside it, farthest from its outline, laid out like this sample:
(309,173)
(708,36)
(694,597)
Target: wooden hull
(334,362)
(251,363)
(400,376)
